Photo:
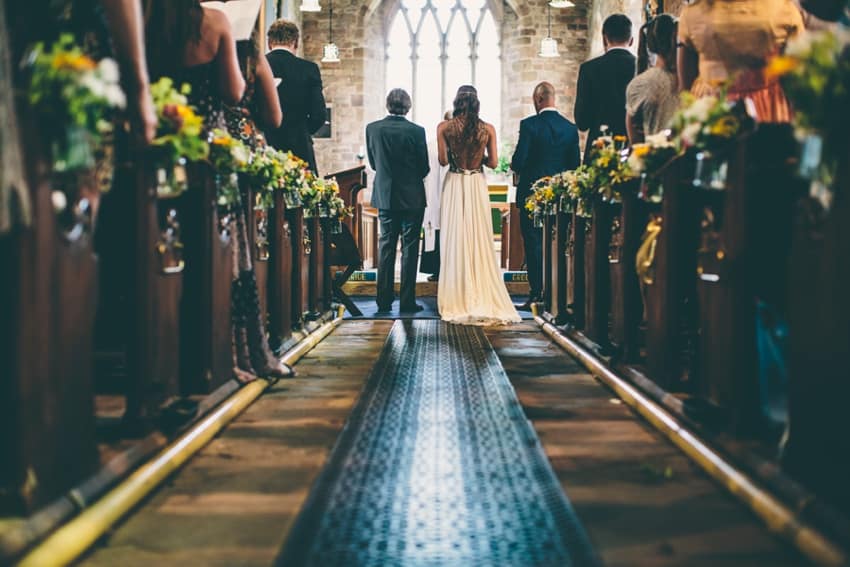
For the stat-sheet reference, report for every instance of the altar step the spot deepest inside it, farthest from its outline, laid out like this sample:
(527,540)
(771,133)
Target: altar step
(364,283)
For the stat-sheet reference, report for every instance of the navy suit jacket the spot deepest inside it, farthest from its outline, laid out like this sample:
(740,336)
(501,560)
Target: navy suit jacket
(303,104)
(548,144)
(399,155)
(601,94)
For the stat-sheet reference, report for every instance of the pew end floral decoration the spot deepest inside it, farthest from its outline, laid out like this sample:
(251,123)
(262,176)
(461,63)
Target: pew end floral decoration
(581,189)
(611,168)
(229,157)
(76,97)
(709,123)
(266,172)
(647,158)
(178,136)
(815,74)
(542,199)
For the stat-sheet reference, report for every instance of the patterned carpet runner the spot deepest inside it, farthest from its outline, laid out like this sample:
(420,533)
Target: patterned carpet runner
(438,465)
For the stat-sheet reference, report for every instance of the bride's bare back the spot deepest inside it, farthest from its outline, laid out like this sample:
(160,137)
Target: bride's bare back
(466,152)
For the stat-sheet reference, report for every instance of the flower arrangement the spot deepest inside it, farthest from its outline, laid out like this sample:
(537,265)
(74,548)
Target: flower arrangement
(77,95)
(179,131)
(647,158)
(708,123)
(815,74)
(542,198)
(581,189)
(610,168)
(229,157)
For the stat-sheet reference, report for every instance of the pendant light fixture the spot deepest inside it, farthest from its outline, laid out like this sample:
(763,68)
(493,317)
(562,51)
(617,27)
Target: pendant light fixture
(549,45)
(310,6)
(330,53)
(561,4)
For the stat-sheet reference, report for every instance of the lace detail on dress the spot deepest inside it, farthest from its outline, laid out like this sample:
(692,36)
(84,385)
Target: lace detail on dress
(465,153)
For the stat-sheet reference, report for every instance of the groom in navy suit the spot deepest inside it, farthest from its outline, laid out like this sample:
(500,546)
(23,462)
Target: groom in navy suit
(548,144)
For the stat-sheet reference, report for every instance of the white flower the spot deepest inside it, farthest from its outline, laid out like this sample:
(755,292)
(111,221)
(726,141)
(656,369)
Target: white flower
(92,82)
(690,133)
(699,110)
(116,97)
(59,200)
(108,70)
(240,154)
(635,163)
(659,140)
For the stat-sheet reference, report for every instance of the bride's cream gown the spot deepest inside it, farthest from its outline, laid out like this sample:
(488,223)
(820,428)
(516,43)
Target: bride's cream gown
(471,287)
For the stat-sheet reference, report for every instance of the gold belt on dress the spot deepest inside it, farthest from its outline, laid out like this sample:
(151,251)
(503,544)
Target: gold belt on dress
(462,171)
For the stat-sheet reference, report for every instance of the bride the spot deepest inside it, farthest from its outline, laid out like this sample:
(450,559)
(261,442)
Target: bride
(471,289)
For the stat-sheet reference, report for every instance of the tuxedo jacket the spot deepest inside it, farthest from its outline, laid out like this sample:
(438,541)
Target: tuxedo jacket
(399,155)
(302,102)
(548,144)
(601,94)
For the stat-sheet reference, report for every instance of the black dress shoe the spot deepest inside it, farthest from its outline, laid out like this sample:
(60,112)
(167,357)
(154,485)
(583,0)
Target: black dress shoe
(415,308)
(527,305)
(434,278)
(384,310)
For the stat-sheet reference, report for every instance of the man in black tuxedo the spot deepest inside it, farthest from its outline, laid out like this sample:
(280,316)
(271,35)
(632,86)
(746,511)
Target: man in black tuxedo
(548,144)
(399,155)
(602,82)
(300,93)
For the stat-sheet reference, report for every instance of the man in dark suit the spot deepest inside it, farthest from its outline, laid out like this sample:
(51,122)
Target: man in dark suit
(602,82)
(548,144)
(399,155)
(300,93)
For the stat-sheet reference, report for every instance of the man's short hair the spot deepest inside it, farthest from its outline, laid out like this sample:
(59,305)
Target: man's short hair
(544,91)
(617,28)
(283,32)
(398,102)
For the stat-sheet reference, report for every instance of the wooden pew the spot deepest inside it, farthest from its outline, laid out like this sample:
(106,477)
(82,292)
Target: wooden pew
(281,281)
(48,294)
(547,242)
(671,294)
(819,335)
(259,239)
(574,255)
(367,241)
(628,224)
(301,250)
(513,253)
(318,275)
(206,353)
(555,285)
(596,275)
(351,182)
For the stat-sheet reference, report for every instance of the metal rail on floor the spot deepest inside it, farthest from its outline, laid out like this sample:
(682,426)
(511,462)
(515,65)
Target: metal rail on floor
(778,517)
(74,538)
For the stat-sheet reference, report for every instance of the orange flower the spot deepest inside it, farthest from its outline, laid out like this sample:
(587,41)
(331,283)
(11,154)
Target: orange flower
(73,62)
(620,138)
(780,66)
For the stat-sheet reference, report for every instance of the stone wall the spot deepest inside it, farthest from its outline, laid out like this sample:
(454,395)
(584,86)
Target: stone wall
(355,86)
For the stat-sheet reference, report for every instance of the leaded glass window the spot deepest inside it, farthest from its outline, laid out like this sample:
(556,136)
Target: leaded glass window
(435,46)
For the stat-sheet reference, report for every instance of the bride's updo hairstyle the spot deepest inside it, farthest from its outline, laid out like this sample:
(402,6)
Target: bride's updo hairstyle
(466,104)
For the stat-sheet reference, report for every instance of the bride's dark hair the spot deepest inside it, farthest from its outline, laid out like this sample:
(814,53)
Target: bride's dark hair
(466,104)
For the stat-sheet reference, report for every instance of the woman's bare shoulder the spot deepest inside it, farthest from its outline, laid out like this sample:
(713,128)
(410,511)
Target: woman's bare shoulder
(214,24)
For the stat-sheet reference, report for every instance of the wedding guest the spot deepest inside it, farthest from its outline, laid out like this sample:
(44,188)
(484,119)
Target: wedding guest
(601,90)
(300,92)
(398,153)
(193,44)
(730,41)
(260,105)
(548,144)
(653,96)
(430,257)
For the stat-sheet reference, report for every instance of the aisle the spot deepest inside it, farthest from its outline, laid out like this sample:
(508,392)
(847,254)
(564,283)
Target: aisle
(438,466)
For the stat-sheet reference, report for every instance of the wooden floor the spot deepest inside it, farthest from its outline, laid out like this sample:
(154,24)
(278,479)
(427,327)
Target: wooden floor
(641,501)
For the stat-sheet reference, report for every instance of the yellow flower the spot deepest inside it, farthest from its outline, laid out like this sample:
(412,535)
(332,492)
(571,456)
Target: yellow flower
(780,66)
(640,150)
(725,127)
(76,62)
(620,138)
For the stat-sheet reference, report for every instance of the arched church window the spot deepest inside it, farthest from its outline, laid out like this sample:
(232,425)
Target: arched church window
(435,46)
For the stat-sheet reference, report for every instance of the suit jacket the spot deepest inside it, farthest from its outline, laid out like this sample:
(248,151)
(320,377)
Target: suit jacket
(399,155)
(601,94)
(548,144)
(302,101)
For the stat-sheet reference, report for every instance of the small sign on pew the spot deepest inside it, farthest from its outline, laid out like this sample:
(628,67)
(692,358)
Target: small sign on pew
(516,277)
(361,276)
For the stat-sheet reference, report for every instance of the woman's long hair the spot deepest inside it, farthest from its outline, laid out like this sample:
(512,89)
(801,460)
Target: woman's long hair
(658,36)
(466,104)
(170,25)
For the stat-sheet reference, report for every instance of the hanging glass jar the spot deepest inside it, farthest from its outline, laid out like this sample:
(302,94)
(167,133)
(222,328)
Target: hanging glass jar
(171,181)
(565,204)
(537,219)
(292,198)
(73,151)
(710,172)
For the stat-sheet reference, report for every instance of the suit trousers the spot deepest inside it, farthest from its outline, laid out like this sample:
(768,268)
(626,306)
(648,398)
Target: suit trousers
(408,225)
(532,240)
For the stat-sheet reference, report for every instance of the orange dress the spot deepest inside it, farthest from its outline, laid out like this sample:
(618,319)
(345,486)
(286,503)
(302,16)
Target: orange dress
(734,40)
